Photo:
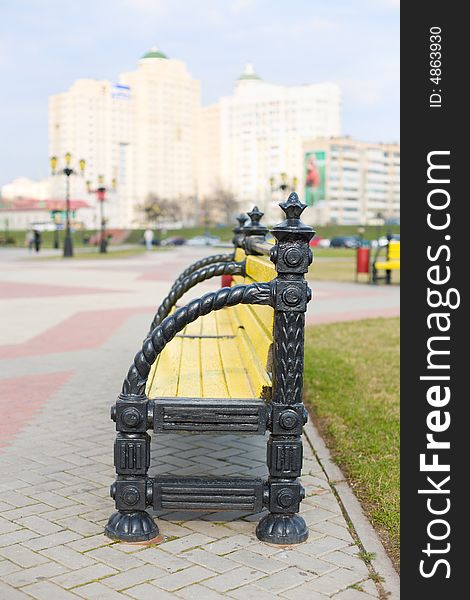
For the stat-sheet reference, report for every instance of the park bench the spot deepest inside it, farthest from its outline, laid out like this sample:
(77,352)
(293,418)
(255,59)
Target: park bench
(391,262)
(228,362)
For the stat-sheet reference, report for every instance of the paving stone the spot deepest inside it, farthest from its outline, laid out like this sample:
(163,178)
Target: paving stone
(198,591)
(351,594)
(284,580)
(15,537)
(336,581)
(349,561)
(146,591)
(46,590)
(98,591)
(22,556)
(320,546)
(115,559)
(234,578)
(54,539)
(131,577)
(39,525)
(212,561)
(9,593)
(7,567)
(68,557)
(251,559)
(183,578)
(90,543)
(164,560)
(82,576)
(304,591)
(252,592)
(185,543)
(305,562)
(27,576)
(229,544)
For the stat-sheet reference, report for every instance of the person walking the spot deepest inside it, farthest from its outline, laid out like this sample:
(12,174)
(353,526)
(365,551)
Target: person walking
(37,240)
(29,240)
(148,237)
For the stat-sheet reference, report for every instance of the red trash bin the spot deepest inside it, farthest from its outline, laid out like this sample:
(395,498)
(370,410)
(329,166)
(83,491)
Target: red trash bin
(362,260)
(226,281)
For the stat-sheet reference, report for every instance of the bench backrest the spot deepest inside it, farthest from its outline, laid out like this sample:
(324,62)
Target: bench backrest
(393,252)
(256,320)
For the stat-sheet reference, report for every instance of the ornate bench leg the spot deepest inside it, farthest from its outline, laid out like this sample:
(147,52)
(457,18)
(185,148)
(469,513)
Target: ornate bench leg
(292,257)
(132,490)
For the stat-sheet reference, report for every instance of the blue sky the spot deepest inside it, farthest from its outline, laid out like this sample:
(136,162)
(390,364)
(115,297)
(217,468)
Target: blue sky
(46,44)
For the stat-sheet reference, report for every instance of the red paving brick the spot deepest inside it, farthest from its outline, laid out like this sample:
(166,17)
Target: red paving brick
(22,397)
(13,289)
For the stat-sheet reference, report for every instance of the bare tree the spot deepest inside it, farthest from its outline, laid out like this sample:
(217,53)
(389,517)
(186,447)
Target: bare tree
(220,206)
(157,211)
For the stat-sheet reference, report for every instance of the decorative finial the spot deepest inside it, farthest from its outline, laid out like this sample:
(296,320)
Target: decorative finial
(242,219)
(255,215)
(293,207)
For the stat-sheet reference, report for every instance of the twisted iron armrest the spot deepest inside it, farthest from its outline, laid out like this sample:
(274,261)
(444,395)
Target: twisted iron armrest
(208,260)
(183,285)
(254,293)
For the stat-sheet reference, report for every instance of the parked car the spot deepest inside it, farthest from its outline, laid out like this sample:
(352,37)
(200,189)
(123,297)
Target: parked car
(345,241)
(383,241)
(174,241)
(204,240)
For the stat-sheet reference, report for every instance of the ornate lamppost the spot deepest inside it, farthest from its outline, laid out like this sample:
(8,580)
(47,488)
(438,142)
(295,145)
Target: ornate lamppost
(282,183)
(101,197)
(67,171)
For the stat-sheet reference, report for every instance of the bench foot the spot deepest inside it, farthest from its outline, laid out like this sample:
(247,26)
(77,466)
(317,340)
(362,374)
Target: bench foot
(282,529)
(135,526)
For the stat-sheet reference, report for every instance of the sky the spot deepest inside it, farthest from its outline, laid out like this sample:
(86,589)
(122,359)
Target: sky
(45,45)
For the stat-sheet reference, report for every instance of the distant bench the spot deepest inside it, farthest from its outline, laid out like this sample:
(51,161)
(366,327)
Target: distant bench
(228,362)
(390,263)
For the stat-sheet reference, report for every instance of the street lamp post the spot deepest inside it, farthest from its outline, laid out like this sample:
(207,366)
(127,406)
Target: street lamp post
(101,197)
(283,184)
(67,171)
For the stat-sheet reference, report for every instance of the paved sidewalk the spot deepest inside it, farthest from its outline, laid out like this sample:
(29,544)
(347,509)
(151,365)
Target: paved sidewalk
(75,327)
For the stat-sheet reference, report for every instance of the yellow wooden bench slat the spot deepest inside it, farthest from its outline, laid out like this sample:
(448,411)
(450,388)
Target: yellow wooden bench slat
(214,384)
(388,264)
(189,382)
(236,376)
(260,268)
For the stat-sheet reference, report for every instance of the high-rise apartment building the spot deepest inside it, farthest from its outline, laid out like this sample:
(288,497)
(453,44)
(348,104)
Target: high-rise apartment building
(347,181)
(141,132)
(256,134)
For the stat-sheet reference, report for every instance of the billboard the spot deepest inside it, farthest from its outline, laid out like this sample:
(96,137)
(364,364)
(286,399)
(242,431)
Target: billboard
(315,177)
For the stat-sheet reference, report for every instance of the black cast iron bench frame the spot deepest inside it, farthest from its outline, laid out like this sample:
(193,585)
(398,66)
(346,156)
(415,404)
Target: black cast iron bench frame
(283,415)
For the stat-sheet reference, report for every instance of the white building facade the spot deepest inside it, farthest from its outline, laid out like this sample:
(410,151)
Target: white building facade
(139,134)
(256,134)
(348,181)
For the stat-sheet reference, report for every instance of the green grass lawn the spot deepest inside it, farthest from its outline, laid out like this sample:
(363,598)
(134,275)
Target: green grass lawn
(343,269)
(352,391)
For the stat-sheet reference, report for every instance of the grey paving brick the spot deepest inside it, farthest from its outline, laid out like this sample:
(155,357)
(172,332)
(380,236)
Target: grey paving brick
(320,546)
(112,557)
(234,578)
(185,543)
(7,526)
(146,591)
(54,539)
(90,543)
(9,593)
(183,578)
(82,576)
(33,574)
(68,557)
(7,567)
(199,591)
(305,562)
(98,591)
(80,525)
(131,577)
(304,591)
(253,592)
(46,590)
(338,580)
(15,537)
(230,544)
(284,580)
(39,525)
(251,559)
(22,556)
(351,594)
(216,563)
(164,560)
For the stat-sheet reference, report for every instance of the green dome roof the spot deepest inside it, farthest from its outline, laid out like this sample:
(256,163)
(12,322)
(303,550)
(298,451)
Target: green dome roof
(249,73)
(154,52)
